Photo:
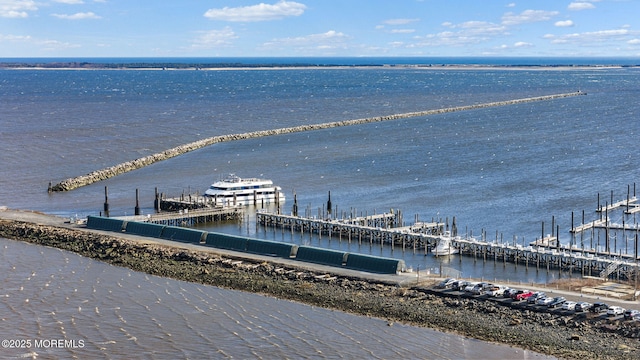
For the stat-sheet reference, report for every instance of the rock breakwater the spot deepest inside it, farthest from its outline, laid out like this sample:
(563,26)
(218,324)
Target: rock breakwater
(567,337)
(103,174)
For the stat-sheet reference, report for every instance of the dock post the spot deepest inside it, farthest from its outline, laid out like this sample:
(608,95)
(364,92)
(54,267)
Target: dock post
(156,201)
(106,202)
(136,210)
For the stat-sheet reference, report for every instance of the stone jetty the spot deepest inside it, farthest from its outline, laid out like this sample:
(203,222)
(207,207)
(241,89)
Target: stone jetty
(103,174)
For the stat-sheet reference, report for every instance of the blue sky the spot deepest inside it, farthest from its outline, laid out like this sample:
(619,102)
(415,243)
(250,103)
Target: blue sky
(200,28)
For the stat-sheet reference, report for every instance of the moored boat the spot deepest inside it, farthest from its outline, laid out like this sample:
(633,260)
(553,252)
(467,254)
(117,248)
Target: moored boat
(444,245)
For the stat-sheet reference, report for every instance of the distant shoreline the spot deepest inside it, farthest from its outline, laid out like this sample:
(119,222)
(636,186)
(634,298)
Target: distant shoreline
(277,66)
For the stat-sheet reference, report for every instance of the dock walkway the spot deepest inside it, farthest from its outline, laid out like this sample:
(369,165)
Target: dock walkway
(188,217)
(542,253)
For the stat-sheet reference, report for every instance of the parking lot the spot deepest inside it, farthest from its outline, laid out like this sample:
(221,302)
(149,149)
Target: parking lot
(471,291)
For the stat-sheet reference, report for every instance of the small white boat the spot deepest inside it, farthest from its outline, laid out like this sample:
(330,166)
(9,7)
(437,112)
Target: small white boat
(234,190)
(444,245)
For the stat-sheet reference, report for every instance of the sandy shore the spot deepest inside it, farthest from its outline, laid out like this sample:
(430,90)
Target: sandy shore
(576,336)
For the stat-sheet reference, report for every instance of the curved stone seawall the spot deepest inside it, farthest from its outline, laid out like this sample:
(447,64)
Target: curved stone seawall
(563,336)
(99,175)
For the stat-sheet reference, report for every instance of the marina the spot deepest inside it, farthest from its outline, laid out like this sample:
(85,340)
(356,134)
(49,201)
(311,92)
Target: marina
(591,258)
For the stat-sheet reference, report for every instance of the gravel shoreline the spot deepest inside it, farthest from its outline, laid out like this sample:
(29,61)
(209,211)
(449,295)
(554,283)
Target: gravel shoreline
(569,337)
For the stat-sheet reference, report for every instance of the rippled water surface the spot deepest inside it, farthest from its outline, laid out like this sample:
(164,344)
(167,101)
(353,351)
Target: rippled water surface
(112,312)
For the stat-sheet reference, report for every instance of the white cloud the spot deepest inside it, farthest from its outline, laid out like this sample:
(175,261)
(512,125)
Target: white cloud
(400,21)
(260,12)
(77,16)
(214,38)
(70,2)
(577,6)
(589,38)
(511,5)
(55,45)
(42,44)
(466,33)
(564,23)
(15,38)
(329,40)
(522,44)
(16,8)
(402,31)
(634,42)
(527,16)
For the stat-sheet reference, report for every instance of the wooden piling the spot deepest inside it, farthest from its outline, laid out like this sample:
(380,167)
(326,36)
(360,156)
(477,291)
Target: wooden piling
(106,201)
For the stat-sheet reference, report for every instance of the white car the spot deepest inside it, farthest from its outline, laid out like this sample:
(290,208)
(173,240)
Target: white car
(569,305)
(583,306)
(481,288)
(615,311)
(497,290)
(544,301)
(470,287)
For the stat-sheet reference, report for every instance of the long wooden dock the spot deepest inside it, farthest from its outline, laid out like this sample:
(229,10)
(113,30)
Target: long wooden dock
(188,217)
(542,253)
(621,203)
(361,229)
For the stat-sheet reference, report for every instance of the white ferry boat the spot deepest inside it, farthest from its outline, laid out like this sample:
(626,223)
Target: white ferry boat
(234,190)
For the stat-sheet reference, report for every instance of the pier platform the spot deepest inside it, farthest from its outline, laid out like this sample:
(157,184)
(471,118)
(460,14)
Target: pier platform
(189,217)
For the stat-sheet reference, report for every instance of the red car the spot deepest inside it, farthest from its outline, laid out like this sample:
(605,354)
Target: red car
(523,295)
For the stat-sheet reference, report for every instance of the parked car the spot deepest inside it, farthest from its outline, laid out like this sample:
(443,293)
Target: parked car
(496,290)
(507,293)
(544,301)
(515,295)
(536,295)
(480,288)
(470,287)
(523,295)
(459,285)
(615,311)
(630,313)
(583,306)
(569,305)
(446,283)
(557,301)
(599,307)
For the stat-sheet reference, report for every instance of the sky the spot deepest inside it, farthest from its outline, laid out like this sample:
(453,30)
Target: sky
(313,28)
